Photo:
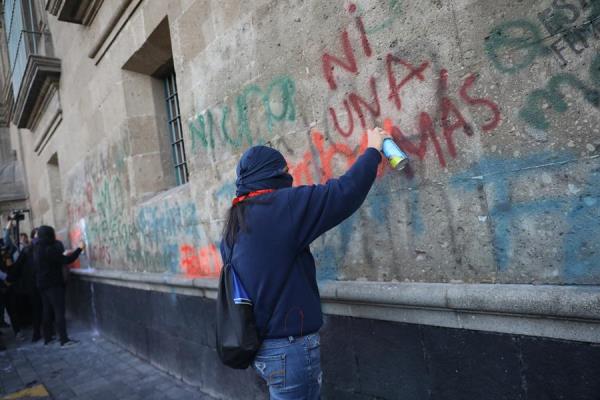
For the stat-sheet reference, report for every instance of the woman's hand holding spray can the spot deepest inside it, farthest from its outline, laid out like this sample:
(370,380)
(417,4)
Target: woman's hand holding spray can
(396,157)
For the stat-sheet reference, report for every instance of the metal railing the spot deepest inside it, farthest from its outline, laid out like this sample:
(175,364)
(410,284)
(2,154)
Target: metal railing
(25,35)
(25,44)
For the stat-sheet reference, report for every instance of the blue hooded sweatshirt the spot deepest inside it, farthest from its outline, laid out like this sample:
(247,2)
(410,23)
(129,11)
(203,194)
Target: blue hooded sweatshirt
(281,225)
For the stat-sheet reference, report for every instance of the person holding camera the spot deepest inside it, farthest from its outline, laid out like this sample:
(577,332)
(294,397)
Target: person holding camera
(49,261)
(12,230)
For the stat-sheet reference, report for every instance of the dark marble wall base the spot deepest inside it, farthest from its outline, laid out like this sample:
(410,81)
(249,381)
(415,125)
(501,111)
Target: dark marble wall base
(362,359)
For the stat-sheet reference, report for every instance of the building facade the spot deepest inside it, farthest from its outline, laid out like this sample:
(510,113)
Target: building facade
(473,273)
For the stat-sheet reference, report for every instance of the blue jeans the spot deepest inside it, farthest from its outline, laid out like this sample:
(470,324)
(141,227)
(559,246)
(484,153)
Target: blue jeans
(291,367)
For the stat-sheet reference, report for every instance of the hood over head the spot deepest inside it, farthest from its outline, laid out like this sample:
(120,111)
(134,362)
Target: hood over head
(261,167)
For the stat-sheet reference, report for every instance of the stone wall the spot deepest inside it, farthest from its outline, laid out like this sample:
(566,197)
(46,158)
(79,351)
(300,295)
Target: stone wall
(495,103)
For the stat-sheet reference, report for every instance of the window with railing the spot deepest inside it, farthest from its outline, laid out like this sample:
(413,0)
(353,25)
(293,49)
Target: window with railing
(25,35)
(157,142)
(176,133)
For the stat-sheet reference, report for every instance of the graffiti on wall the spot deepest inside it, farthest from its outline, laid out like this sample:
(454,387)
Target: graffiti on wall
(580,208)
(275,104)
(401,72)
(167,234)
(533,112)
(392,11)
(580,254)
(360,111)
(202,262)
(564,29)
(515,45)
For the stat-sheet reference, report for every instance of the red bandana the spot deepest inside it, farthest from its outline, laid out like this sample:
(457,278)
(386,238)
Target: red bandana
(239,199)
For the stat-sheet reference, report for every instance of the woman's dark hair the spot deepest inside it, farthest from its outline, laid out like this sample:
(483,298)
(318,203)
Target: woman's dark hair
(46,234)
(235,221)
(44,247)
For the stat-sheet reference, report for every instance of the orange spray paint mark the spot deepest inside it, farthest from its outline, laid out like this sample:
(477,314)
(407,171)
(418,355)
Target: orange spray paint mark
(204,262)
(301,171)
(326,155)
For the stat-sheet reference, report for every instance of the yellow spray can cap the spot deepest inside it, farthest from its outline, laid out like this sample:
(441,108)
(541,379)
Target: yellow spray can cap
(394,161)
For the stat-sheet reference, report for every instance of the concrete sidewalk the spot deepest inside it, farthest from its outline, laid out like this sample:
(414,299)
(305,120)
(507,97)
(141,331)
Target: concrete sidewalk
(93,369)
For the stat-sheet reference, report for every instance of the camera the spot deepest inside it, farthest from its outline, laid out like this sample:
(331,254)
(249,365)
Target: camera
(17,215)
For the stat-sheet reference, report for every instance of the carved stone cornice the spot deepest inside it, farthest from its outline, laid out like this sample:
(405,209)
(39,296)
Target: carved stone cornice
(41,74)
(75,11)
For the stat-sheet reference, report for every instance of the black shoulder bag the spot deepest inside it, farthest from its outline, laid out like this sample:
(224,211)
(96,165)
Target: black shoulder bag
(238,339)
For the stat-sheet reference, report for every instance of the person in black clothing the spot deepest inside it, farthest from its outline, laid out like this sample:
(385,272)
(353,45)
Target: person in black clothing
(3,288)
(22,276)
(9,293)
(19,281)
(49,261)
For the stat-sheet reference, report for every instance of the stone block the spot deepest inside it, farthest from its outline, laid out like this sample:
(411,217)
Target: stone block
(194,29)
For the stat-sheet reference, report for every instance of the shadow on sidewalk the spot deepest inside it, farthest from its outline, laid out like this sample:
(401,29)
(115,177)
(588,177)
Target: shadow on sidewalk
(95,368)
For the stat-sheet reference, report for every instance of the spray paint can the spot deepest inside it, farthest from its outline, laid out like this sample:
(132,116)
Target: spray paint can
(397,158)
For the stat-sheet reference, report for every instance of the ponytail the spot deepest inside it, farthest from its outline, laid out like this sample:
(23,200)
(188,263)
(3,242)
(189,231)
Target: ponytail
(234,223)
